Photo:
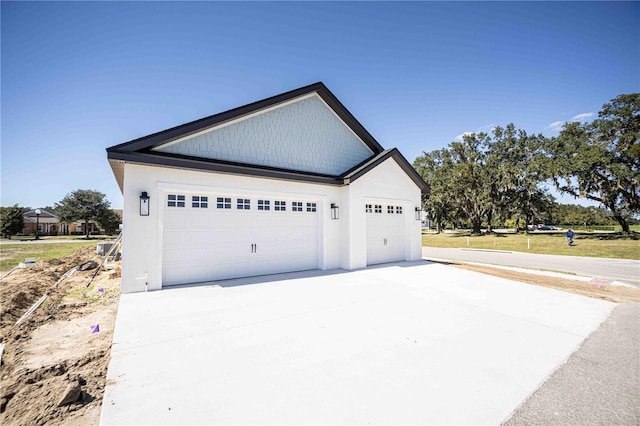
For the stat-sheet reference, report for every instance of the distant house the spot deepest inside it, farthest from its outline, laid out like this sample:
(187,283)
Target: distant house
(49,224)
(118,212)
(46,222)
(70,228)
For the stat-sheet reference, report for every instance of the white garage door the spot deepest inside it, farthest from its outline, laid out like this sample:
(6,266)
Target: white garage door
(210,237)
(385,233)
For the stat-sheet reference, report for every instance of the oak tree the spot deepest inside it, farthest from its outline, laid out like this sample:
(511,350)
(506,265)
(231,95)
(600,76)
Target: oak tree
(83,204)
(600,160)
(11,220)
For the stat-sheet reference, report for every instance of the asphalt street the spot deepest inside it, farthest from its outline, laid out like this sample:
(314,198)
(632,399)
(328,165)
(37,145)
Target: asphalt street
(599,383)
(627,271)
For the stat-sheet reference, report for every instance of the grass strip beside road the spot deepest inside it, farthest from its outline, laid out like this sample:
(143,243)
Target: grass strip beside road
(12,254)
(76,237)
(612,246)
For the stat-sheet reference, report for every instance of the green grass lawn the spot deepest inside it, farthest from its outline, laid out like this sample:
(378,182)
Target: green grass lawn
(18,238)
(585,244)
(12,254)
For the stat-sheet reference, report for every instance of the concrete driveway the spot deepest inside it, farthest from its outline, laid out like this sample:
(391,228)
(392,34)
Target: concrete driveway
(406,343)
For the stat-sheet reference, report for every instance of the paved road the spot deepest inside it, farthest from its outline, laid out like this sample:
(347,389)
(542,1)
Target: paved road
(599,383)
(627,271)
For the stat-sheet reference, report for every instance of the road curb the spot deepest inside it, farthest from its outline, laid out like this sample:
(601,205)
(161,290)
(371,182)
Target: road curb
(597,281)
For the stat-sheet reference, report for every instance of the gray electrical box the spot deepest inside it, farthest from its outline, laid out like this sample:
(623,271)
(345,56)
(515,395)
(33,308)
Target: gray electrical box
(103,248)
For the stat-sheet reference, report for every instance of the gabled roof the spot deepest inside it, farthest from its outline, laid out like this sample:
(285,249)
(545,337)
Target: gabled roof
(142,151)
(363,168)
(43,213)
(165,136)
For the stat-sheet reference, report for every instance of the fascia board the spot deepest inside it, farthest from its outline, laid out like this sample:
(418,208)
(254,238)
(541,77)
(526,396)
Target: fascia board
(184,162)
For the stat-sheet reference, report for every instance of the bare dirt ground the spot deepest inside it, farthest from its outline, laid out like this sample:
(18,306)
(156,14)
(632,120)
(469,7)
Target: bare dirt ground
(596,289)
(53,354)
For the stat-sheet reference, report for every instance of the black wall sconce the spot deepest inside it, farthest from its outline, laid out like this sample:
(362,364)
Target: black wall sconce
(418,213)
(144,204)
(335,211)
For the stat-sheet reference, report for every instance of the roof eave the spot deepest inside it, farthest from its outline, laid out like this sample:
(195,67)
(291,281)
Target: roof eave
(117,167)
(197,164)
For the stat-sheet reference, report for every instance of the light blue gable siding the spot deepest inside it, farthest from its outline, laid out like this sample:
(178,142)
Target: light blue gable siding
(304,136)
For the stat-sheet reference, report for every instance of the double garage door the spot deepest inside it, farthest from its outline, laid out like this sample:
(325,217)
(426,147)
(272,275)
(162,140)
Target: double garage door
(209,237)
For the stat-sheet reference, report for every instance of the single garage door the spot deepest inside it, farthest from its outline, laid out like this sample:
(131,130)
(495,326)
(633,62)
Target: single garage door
(385,233)
(209,237)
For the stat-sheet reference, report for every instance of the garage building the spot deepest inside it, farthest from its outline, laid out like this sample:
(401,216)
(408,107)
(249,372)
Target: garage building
(289,183)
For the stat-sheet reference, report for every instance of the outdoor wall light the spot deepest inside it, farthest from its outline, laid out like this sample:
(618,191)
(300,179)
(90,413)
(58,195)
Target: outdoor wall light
(144,204)
(418,213)
(38,212)
(335,211)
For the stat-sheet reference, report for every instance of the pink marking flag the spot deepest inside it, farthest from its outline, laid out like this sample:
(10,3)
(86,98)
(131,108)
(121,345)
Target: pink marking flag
(95,328)
(599,282)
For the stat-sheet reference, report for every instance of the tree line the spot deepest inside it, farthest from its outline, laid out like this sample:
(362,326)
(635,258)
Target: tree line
(79,205)
(504,175)
(572,214)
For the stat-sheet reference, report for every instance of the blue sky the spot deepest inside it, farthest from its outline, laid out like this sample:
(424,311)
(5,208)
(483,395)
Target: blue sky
(78,77)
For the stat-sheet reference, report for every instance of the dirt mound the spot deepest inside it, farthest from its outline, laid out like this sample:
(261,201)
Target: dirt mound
(35,396)
(54,354)
(23,287)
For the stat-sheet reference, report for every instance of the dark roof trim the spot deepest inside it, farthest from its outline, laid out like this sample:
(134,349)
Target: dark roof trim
(140,150)
(196,163)
(165,136)
(368,165)
(43,213)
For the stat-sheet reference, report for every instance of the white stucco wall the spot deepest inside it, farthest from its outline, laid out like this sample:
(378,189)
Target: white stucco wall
(142,235)
(304,135)
(343,241)
(386,184)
